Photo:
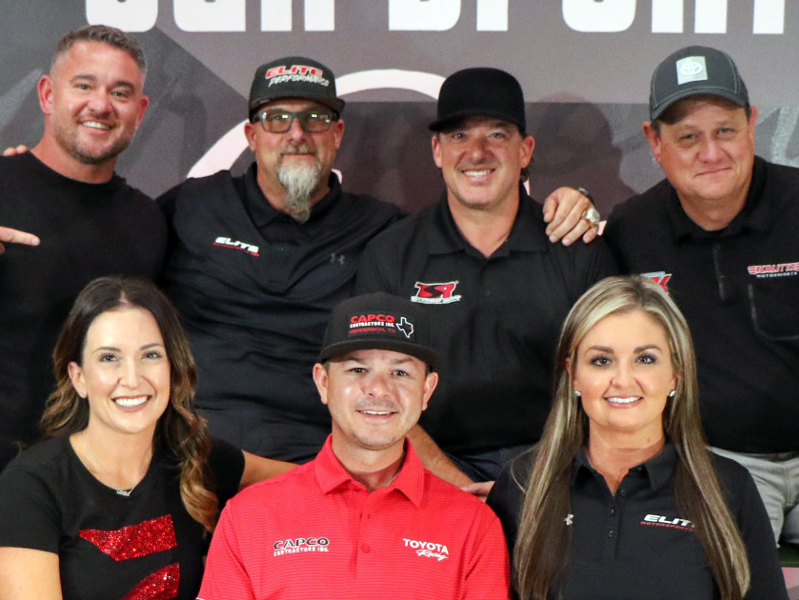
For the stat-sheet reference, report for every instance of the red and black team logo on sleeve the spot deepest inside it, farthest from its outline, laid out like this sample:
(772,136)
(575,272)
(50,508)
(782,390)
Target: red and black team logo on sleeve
(436,293)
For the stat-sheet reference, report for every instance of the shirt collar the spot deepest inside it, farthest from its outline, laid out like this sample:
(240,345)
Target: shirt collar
(658,470)
(263,213)
(331,475)
(756,214)
(528,233)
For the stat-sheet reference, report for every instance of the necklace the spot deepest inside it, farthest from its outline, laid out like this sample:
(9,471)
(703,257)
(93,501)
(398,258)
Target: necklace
(119,491)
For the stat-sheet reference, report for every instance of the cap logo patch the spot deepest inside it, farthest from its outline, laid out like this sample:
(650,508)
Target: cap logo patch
(691,68)
(381,323)
(304,73)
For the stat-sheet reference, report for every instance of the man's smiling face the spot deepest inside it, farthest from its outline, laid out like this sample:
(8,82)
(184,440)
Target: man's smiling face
(94,100)
(481,160)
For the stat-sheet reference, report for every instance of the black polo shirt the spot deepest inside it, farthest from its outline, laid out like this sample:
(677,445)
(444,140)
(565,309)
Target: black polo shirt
(739,290)
(495,320)
(255,290)
(638,543)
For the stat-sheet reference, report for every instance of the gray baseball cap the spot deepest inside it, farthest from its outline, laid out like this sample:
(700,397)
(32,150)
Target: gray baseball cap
(692,71)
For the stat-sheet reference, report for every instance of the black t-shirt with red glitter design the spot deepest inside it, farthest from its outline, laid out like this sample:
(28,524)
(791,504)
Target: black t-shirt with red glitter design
(136,547)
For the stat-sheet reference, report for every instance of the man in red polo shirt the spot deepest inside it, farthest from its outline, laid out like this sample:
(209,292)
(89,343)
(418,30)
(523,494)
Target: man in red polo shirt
(364,519)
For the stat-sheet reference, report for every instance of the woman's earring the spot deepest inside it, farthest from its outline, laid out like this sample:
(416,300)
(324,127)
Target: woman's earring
(577,394)
(672,393)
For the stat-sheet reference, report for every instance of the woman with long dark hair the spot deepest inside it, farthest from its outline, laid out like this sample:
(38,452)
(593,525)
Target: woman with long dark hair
(119,502)
(621,499)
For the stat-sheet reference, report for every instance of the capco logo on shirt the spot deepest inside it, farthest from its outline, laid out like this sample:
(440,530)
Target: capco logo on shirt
(298,545)
(435,293)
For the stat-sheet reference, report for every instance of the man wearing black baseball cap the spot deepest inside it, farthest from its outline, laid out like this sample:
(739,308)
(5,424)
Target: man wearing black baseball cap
(364,519)
(720,234)
(480,264)
(259,261)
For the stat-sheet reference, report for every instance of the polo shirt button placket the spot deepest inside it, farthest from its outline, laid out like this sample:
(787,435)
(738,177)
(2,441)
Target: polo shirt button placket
(613,521)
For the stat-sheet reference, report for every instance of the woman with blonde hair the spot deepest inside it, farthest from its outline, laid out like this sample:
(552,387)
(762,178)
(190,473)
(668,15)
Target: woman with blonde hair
(119,502)
(621,499)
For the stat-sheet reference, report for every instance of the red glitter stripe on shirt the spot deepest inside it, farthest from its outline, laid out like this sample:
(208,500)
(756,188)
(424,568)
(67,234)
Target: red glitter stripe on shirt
(132,541)
(161,585)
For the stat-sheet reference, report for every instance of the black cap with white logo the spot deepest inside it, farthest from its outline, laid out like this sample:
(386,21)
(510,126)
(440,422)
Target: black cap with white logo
(692,71)
(294,77)
(381,322)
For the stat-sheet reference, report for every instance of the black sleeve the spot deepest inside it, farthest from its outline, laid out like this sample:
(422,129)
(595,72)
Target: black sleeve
(227,464)
(29,514)
(370,277)
(613,236)
(750,515)
(764,563)
(602,263)
(507,496)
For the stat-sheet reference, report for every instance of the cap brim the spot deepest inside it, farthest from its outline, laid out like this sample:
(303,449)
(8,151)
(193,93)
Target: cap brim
(455,118)
(427,355)
(696,91)
(336,104)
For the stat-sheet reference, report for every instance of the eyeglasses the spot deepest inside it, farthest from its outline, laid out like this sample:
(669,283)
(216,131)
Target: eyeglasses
(277,120)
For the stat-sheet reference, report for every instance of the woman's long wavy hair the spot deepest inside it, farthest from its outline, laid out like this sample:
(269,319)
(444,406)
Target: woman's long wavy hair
(179,432)
(543,544)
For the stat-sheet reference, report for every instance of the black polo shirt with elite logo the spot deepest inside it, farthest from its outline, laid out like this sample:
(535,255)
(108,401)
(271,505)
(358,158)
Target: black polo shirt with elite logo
(495,320)
(739,290)
(638,543)
(255,290)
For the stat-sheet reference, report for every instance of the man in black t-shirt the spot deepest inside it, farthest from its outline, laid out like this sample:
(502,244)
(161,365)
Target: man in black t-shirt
(66,217)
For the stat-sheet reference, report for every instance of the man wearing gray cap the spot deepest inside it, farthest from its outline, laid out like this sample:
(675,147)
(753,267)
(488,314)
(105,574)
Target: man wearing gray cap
(720,234)
(364,519)
(481,265)
(257,263)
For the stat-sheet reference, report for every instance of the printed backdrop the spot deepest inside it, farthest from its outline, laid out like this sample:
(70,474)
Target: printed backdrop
(584,65)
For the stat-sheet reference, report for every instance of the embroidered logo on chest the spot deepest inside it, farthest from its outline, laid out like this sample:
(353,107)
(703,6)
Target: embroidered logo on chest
(226,242)
(777,270)
(660,277)
(428,549)
(300,545)
(671,523)
(435,293)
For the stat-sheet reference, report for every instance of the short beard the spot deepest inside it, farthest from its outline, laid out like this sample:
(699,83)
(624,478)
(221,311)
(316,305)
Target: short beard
(300,181)
(70,144)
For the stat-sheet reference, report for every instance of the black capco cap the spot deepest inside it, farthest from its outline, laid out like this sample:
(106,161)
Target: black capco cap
(294,77)
(382,322)
(480,91)
(695,70)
